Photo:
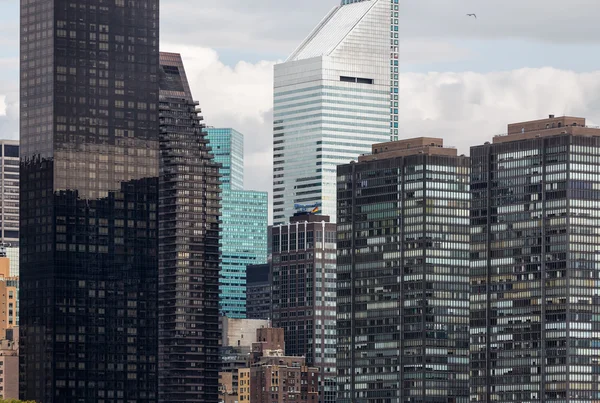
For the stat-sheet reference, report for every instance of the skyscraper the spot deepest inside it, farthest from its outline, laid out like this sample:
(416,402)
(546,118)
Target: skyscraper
(89,200)
(189,245)
(331,103)
(244,215)
(303,271)
(9,192)
(403,275)
(535,296)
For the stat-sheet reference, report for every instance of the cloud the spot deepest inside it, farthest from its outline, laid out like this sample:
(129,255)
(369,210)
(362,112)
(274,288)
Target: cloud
(240,97)
(470,108)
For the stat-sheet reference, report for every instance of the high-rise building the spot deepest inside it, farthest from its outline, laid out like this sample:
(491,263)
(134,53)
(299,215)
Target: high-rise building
(331,103)
(89,200)
(403,275)
(9,192)
(259,297)
(189,203)
(304,278)
(535,280)
(9,297)
(244,220)
(228,147)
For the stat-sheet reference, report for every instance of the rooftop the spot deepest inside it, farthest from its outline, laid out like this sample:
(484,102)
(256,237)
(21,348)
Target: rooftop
(550,126)
(403,148)
(332,30)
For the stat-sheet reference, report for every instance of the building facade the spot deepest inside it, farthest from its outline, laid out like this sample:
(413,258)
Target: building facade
(89,200)
(535,274)
(244,215)
(227,145)
(9,364)
(403,275)
(9,192)
(331,103)
(303,289)
(259,297)
(189,203)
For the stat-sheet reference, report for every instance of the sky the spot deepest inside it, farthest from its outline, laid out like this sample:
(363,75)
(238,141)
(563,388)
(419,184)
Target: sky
(463,79)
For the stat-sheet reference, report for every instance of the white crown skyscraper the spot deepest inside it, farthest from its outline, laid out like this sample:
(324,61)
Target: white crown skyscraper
(333,98)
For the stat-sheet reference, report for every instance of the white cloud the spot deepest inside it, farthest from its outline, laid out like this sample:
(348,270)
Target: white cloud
(3,106)
(240,97)
(470,108)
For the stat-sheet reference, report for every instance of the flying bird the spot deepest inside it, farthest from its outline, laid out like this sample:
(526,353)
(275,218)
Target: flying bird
(472,15)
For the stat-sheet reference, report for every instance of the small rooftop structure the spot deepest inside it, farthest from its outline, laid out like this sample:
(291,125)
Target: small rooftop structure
(550,126)
(403,148)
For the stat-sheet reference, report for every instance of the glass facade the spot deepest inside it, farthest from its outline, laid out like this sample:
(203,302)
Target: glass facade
(244,215)
(303,278)
(535,302)
(228,148)
(89,200)
(394,87)
(331,103)
(188,245)
(9,193)
(403,280)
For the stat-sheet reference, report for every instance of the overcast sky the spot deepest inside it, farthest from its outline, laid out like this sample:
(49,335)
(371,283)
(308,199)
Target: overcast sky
(464,78)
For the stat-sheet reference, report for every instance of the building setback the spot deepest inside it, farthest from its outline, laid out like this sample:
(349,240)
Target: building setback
(89,200)
(303,270)
(331,103)
(189,245)
(535,278)
(402,275)
(244,220)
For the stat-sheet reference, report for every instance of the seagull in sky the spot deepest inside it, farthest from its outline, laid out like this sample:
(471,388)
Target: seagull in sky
(472,15)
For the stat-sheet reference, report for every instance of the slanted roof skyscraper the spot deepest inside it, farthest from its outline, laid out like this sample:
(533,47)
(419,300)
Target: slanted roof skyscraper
(189,245)
(334,97)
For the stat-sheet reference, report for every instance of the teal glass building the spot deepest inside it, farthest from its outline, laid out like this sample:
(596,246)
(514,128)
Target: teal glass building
(244,215)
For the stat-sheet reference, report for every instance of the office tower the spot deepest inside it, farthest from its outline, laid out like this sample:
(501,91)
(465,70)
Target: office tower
(9,192)
(89,200)
(228,148)
(303,270)
(331,103)
(244,220)
(259,298)
(189,203)
(403,275)
(534,268)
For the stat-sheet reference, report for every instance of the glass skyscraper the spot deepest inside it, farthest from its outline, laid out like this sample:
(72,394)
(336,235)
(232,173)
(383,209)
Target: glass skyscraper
(89,200)
(188,359)
(403,275)
(535,270)
(332,102)
(244,215)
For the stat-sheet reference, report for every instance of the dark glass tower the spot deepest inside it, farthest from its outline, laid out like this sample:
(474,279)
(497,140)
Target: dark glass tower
(189,246)
(403,275)
(89,200)
(535,268)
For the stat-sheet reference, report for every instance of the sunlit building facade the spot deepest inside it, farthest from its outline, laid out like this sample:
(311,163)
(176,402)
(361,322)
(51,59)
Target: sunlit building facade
(403,275)
(331,103)
(535,272)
